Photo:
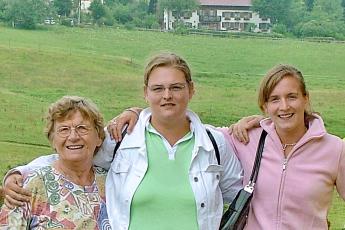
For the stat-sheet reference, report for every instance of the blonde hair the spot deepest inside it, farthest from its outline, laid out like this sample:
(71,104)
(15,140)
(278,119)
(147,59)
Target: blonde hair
(66,106)
(167,60)
(273,77)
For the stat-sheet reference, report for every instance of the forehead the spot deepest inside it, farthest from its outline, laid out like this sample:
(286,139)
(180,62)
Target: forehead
(73,116)
(287,84)
(166,75)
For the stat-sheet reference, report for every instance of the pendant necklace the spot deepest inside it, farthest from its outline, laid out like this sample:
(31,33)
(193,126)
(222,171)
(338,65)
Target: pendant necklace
(284,146)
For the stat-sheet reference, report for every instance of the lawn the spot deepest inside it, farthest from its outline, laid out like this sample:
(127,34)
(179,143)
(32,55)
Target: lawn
(106,65)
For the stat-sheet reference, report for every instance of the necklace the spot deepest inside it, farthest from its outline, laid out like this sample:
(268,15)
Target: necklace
(284,146)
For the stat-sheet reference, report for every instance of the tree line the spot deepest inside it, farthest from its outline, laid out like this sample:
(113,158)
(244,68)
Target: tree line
(304,18)
(298,18)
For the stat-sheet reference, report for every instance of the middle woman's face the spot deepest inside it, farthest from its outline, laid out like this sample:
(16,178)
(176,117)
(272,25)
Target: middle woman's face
(168,93)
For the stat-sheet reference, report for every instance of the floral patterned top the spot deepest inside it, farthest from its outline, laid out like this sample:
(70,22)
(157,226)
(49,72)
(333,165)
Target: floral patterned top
(58,203)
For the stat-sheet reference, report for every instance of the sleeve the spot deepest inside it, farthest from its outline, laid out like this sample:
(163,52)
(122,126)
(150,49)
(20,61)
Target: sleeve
(35,164)
(104,155)
(231,180)
(340,181)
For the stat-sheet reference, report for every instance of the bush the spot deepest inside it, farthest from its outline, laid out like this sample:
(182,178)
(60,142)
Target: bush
(67,21)
(280,29)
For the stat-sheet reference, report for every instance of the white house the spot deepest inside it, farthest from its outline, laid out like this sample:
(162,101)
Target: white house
(226,15)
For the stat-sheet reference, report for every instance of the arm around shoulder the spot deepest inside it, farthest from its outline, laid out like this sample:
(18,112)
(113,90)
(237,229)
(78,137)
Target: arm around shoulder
(104,155)
(232,176)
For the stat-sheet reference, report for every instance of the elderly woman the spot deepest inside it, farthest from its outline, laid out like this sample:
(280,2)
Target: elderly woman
(301,163)
(68,194)
(165,174)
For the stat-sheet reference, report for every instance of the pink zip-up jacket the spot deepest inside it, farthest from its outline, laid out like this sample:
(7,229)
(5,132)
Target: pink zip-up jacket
(293,192)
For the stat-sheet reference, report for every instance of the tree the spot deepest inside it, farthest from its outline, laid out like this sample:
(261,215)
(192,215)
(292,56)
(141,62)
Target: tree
(309,4)
(277,10)
(63,7)
(178,6)
(343,5)
(153,7)
(25,13)
(97,10)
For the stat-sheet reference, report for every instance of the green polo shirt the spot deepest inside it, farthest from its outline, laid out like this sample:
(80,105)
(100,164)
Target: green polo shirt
(164,198)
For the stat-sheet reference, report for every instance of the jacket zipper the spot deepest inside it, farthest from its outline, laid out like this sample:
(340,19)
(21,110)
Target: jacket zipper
(281,187)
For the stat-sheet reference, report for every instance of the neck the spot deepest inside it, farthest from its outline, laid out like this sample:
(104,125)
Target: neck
(290,138)
(172,130)
(80,175)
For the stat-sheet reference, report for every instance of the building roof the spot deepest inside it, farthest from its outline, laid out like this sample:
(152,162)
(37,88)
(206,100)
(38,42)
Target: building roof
(225,2)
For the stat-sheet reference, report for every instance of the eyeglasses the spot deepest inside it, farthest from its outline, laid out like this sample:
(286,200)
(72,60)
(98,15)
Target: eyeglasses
(177,87)
(65,131)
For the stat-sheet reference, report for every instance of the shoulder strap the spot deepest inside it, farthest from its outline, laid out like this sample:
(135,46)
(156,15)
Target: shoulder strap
(124,132)
(215,146)
(258,157)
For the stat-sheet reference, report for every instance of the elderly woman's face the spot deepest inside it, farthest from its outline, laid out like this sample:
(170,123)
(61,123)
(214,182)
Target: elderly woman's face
(75,138)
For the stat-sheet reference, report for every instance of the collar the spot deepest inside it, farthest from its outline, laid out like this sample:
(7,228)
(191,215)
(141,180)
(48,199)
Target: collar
(137,138)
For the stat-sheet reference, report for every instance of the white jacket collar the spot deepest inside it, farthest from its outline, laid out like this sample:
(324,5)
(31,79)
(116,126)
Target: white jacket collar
(137,138)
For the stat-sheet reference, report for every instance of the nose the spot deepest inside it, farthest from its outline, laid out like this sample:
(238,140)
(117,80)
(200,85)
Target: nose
(167,93)
(284,104)
(73,134)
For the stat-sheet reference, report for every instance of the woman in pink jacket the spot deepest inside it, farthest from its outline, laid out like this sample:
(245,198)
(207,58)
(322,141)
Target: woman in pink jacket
(301,162)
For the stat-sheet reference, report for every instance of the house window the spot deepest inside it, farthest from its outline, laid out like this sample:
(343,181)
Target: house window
(263,26)
(246,15)
(187,14)
(227,15)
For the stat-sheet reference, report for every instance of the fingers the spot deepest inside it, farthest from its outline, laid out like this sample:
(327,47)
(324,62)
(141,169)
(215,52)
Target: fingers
(12,203)
(15,195)
(8,204)
(117,124)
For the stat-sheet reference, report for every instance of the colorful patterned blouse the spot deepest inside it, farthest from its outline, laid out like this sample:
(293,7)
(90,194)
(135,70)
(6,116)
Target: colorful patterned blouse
(58,203)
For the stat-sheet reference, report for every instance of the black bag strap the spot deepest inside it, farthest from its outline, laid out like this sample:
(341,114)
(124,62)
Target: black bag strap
(215,146)
(258,157)
(124,132)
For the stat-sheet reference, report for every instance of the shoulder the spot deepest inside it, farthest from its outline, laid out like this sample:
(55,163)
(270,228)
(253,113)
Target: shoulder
(334,142)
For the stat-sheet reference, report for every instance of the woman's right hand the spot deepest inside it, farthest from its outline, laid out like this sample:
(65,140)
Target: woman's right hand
(14,193)
(128,117)
(240,129)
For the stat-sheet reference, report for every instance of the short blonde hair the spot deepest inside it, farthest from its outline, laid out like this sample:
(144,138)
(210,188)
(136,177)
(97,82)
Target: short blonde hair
(66,106)
(273,77)
(167,60)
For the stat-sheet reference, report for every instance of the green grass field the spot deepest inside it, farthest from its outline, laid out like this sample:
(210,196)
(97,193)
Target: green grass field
(106,65)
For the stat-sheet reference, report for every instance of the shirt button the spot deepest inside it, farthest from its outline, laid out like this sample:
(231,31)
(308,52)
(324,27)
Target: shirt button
(217,177)
(202,205)
(196,179)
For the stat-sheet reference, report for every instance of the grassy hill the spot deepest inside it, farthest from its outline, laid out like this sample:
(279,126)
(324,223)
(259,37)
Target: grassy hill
(106,65)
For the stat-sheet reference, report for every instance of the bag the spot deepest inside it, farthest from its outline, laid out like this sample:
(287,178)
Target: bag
(235,217)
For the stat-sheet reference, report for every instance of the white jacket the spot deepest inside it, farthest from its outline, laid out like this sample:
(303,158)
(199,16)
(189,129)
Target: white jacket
(211,183)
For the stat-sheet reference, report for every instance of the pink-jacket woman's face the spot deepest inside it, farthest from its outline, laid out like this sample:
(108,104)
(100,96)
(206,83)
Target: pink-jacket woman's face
(286,105)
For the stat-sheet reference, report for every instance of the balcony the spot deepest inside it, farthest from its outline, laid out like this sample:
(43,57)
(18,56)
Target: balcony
(210,18)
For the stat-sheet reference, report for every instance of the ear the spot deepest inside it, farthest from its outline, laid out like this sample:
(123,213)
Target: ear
(145,92)
(265,108)
(99,141)
(191,89)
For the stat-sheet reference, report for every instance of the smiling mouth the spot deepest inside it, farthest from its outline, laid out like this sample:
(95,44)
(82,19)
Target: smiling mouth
(74,147)
(168,104)
(286,116)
